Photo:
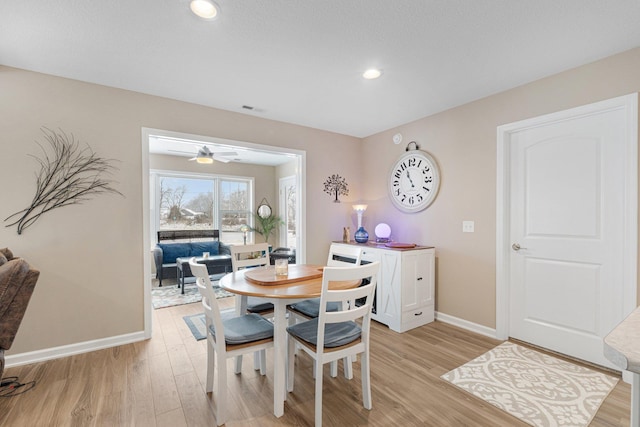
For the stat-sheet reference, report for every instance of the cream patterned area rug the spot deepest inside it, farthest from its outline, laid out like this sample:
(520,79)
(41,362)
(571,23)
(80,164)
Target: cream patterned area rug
(169,296)
(538,389)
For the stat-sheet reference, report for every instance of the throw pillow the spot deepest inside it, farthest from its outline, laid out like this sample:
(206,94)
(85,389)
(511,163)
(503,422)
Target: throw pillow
(197,248)
(171,251)
(3,259)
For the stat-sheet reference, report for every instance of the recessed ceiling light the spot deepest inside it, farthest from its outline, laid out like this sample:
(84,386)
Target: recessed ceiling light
(372,73)
(205,9)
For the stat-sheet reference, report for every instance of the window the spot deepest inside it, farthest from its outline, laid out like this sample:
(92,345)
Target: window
(234,208)
(190,202)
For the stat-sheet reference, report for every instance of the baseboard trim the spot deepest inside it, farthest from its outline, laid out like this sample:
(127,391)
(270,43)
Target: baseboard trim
(94,345)
(465,324)
(71,349)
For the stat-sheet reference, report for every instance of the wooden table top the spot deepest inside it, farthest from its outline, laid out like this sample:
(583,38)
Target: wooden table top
(296,273)
(303,288)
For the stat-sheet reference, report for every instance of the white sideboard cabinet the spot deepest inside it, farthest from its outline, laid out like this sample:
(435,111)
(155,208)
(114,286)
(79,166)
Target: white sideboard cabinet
(405,290)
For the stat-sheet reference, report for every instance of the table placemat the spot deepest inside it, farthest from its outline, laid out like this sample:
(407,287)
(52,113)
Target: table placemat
(297,273)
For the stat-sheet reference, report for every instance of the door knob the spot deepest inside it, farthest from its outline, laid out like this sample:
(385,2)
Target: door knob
(516,247)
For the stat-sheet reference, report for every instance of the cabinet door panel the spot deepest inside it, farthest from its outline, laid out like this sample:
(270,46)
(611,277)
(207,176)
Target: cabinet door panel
(425,278)
(412,289)
(390,290)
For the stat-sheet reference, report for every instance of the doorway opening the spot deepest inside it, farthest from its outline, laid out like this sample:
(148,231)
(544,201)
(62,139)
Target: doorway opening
(179,152)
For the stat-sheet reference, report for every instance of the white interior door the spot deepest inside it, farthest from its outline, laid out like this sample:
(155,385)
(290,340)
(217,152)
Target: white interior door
(570,206)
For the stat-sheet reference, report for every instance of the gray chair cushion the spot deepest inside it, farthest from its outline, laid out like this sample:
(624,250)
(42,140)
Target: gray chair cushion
(244,329)
(311,307)
(258,305)
(335,334)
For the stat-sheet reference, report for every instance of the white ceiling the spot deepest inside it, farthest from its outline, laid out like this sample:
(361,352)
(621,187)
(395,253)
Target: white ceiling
(301,61)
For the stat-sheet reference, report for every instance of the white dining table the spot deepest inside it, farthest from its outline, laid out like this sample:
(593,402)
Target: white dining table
(297,286)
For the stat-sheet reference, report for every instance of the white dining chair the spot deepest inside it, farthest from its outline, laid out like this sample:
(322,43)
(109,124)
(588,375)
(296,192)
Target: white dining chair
(251,256)
(336,335)
(228,336)
(339,256)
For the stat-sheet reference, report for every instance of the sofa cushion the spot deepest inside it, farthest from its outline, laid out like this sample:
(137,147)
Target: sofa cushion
(197,248)
(171,251)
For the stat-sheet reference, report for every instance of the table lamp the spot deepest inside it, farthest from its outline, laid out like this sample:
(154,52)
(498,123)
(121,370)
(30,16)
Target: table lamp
(245,229)
(361,235)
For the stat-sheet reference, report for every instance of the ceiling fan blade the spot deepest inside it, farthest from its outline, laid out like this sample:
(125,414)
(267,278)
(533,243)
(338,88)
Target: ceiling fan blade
(225,153)
(221,159)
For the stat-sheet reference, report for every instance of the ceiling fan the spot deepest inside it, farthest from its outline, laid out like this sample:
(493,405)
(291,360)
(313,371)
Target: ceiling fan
(206,156)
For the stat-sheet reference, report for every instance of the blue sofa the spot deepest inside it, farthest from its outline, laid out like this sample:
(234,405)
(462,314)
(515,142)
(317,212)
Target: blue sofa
(165,255)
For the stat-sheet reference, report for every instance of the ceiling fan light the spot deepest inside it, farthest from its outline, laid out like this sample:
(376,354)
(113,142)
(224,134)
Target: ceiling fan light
(204,160)
(205,9)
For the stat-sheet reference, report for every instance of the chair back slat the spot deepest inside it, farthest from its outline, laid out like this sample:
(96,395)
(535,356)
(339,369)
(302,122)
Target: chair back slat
(353,313)
(209,301)
(238,261)
(341,255)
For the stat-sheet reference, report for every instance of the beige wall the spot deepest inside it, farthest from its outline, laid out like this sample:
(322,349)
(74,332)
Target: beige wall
(91,255)
(463,141)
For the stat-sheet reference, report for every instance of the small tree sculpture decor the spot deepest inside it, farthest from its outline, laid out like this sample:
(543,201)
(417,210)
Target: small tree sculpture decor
(69,174)
(336,186)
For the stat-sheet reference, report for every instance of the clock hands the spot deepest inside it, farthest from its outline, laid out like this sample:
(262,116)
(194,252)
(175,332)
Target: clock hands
(410,180)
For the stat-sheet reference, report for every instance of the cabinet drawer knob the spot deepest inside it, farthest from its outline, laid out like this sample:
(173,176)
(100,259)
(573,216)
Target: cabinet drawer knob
(419,278)
(418,314)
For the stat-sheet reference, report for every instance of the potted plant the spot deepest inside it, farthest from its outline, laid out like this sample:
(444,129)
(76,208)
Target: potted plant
(266,224)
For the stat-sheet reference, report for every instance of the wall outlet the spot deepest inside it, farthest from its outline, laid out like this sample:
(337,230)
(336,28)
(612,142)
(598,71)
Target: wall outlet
(468,226)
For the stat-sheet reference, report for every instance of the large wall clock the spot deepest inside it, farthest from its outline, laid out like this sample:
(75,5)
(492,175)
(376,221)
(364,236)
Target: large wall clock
(414,181)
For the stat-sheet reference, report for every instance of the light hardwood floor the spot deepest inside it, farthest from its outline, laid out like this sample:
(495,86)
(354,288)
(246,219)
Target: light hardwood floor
(159,382)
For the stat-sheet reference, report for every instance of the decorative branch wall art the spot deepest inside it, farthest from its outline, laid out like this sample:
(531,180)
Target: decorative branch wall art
(69,174)
(336,185)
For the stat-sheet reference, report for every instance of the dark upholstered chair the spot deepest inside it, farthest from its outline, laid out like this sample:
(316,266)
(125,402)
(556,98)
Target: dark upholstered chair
(17,281)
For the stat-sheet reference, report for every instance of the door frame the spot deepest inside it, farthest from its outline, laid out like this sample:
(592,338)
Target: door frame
(300,157)
(503,201)
(282,204)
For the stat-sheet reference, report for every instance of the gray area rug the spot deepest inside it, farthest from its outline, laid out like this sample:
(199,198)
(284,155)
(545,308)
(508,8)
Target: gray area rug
(536,388)
(197,323)
(169,296)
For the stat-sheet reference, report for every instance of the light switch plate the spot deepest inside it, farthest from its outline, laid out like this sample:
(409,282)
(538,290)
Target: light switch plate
(468,226)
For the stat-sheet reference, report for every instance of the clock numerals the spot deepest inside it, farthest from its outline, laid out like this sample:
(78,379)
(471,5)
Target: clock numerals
(409,200)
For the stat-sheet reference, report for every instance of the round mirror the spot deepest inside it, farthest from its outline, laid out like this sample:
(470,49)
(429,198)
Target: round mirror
(264,210)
